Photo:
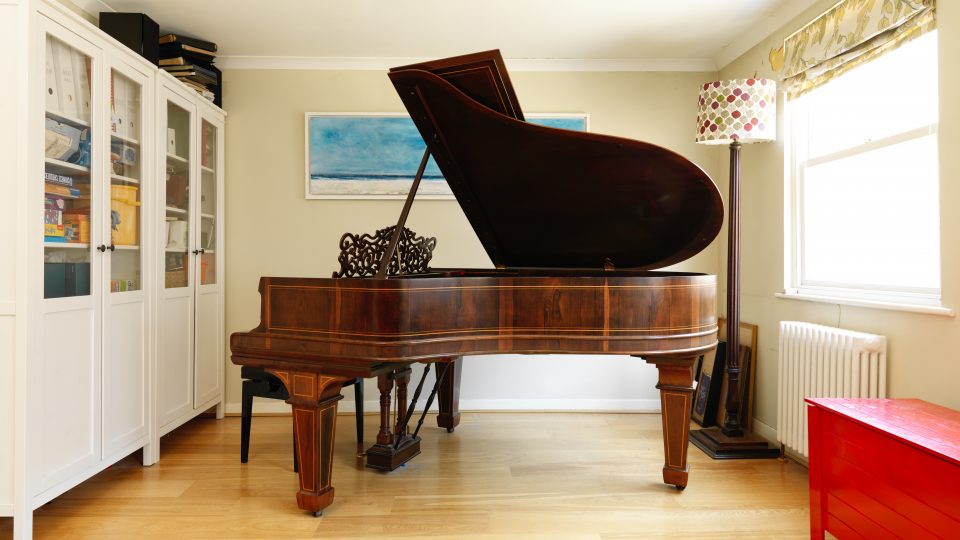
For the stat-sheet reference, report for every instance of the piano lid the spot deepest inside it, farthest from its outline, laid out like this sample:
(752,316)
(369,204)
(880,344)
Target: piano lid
(541,197)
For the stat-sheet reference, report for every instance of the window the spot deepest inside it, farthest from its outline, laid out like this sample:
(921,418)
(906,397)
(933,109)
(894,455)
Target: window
(864,186)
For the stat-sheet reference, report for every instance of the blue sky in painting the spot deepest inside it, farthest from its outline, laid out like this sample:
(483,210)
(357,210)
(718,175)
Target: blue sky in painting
(378,147)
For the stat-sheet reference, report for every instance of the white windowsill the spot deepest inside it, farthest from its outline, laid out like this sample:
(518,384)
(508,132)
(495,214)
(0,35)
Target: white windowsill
(894,306)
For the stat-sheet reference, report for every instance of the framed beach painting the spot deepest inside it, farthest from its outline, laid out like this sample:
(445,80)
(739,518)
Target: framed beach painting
(376,155)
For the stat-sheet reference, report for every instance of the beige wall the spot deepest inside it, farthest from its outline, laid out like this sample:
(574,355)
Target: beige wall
(273,230)
(922,348)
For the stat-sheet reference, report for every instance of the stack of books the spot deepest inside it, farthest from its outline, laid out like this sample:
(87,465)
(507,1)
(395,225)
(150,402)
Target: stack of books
(191,61)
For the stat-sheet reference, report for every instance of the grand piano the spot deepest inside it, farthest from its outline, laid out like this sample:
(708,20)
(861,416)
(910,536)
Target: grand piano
(574,224)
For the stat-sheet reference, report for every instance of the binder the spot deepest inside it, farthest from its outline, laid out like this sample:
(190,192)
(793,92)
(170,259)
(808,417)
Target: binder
(114,120)
(50,79)
(120,105)
(63,62)
(82,78)
(133,108)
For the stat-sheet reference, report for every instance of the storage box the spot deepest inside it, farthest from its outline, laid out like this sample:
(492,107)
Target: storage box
(124,215)
(66,279)
(76,225)
(176,278)
(135,30)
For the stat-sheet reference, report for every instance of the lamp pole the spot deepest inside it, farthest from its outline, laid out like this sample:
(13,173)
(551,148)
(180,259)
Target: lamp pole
(731,424)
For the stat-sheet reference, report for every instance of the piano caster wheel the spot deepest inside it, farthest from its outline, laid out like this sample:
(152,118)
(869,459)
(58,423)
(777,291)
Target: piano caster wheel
(449,430)
(318,513)
(679,487)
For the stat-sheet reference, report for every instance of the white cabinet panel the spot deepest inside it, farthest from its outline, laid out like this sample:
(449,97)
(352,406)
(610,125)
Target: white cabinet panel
(70,401)
(174,368)
(208,364)
(6,411)
(124,375)
(8,149)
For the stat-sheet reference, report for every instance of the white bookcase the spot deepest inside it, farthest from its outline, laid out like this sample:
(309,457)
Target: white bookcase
(95,347)
(190,351)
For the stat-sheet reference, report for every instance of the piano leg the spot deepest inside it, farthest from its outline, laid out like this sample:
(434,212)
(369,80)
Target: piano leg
(314,400)
(449,395)
(384,455)
(676,395)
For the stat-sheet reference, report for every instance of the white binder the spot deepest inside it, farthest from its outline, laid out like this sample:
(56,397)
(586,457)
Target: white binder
(133,109)
(82,78)
(50,79)
(114,124)
(120,104)
(63,62)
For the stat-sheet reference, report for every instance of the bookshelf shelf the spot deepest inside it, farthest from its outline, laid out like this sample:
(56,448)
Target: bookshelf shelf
(126,179)
(175,210)
(127,247)
(207,170)
(176,250)
(64,168)
(127,140)
(66,245)
(176,158)
(208,216)
(72,120)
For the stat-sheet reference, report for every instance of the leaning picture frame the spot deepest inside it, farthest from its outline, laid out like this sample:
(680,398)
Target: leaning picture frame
(706,396)
(747,360)
(376,155)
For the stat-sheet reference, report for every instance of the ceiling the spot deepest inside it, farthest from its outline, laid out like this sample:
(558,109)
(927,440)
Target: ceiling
(682,34)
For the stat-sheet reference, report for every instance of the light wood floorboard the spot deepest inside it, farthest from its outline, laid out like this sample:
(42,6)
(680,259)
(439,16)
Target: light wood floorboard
(500,476)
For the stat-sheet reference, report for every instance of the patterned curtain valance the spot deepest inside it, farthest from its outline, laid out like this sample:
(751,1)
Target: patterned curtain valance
(849,33)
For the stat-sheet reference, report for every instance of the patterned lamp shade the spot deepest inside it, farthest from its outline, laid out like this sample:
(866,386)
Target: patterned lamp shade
(742,110)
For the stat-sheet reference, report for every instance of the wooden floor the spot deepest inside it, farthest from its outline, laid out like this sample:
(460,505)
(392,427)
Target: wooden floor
(501,475)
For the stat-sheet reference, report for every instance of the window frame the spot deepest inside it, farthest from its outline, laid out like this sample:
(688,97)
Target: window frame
(796,285)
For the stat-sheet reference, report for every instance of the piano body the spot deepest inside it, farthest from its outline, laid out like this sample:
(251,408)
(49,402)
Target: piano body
(574,223)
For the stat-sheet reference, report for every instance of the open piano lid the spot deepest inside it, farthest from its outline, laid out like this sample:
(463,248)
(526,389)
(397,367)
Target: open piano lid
(542,197)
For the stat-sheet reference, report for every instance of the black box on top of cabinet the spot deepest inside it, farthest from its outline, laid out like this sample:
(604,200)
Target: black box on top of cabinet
(136,31)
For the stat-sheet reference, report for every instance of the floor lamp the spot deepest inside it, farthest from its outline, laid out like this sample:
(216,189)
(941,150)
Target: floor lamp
(735,112)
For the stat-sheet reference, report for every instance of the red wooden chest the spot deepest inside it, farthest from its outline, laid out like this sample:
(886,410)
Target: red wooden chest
(884,468)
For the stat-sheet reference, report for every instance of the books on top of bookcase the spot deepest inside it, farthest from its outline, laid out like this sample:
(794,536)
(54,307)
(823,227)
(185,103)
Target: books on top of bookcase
(187,40)
(190,60)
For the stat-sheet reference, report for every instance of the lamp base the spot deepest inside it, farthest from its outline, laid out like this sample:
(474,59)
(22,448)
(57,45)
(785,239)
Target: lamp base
(719,446)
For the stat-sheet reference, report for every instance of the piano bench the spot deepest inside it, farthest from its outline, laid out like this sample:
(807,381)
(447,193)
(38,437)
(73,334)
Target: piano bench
(258,383)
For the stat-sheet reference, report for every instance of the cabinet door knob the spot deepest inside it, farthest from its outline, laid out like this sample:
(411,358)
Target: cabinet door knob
(112,247)
(101,248)
(197,251)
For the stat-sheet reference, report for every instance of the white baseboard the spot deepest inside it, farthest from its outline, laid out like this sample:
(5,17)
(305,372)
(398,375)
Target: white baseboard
(270,407)
(765,431)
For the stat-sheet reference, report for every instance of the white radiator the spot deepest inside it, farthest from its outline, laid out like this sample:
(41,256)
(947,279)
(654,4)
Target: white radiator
(822,361)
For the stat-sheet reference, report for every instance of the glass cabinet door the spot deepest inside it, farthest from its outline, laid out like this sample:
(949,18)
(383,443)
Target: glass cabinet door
(207,245)
(66,179)
(126,174)
(177,227)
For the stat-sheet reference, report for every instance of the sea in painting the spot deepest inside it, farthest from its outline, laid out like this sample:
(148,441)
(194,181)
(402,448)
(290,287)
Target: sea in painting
(377,155)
